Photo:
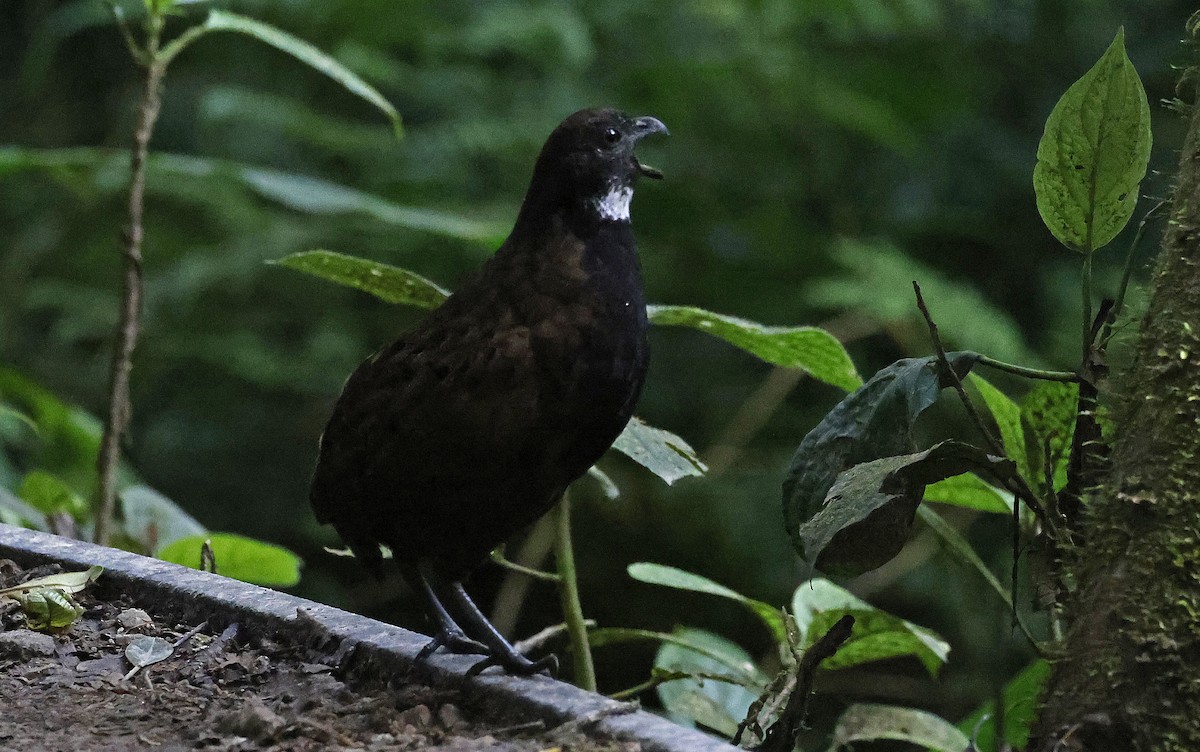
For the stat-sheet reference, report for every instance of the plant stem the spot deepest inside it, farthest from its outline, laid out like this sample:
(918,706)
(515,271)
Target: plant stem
(568,589)
(1086,286)
(131,304)
(1029,373)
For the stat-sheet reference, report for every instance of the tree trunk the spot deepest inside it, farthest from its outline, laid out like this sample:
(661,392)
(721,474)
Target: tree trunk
(1130,677)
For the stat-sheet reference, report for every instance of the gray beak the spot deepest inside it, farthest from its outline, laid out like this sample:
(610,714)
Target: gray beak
(642,127)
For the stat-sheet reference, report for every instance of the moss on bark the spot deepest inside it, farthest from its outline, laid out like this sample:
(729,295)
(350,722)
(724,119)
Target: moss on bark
(1130,676)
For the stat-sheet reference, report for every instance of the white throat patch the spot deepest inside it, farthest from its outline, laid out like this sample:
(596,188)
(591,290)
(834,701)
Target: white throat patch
(614,205)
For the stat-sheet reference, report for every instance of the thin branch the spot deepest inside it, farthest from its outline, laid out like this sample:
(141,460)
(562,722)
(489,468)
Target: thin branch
(512,566)
(568,590)
(131,305)
(1029,373)
(1013,483)
(781,736)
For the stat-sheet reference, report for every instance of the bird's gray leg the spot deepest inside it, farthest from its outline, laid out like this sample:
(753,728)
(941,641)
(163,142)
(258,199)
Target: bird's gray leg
(448,634)
(501,652)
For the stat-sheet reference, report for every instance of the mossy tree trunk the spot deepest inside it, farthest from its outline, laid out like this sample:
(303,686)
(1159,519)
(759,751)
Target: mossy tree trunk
(1130,677)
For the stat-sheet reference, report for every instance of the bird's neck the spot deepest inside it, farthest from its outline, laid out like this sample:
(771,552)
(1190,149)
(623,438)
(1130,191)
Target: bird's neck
(584,212)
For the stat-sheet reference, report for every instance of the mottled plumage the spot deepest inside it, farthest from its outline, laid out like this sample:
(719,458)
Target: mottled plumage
(470,426)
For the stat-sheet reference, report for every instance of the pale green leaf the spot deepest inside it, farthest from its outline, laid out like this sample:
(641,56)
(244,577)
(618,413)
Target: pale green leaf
(49,609)
(1021,696)
(155,521)
(661,452)
(818,604)
(1093,153)
(390,284)
(306,53)
(146,650)
(970,491)
(737,666)
(718,705)
(863,722)
(812,350)
(1007,415)
(238,557)
(49,494)
(659,574)
(68,582)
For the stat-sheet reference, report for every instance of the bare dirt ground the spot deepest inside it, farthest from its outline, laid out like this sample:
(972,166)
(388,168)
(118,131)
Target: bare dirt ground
(227,692)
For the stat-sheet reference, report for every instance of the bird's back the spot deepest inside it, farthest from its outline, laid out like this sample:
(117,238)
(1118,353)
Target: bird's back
(470,426)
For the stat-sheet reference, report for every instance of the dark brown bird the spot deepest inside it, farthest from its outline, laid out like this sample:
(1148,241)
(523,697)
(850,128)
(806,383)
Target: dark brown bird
(470,426)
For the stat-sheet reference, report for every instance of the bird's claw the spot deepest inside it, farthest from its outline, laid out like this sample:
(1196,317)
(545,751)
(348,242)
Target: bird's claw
(516,664)
(455,642)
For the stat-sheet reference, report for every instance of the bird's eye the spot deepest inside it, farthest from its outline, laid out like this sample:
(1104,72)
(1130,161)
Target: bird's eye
(612,135)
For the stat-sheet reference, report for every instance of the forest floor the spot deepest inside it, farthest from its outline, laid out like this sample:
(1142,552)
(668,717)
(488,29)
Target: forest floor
(228,692)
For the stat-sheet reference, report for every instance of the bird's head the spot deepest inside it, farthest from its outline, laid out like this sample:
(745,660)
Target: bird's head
(588,163)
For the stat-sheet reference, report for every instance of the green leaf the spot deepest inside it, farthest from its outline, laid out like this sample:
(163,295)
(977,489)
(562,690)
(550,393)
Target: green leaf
(734,665)
(301,193)
(1021,696)
(875,421)
(661,452)
(1093,153)
(155,521)
(390,284)
(717,705)
(1049,410)
(67,582)
(877,635)
(49,494)
(814,351)
(49,609)
(868,721)
(659,574)
(304,52)
(1007,415)
(970,491)
(238,557)
(13,511)
(869,510)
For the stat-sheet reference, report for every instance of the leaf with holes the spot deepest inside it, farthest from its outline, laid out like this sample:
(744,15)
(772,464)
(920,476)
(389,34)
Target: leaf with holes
(1093,153)
(661,452)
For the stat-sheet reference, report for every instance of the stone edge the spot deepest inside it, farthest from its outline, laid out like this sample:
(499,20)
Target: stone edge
(371,647)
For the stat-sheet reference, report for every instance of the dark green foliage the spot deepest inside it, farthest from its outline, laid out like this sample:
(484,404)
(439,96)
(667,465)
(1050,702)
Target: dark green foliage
(873,422)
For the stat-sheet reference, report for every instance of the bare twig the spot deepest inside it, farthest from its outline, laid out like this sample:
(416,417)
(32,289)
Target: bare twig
(781,736)
(131,304)
(1013,483)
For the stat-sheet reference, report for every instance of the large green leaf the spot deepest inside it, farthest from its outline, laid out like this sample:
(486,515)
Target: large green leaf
(864,722)
(868,512)
(306,53)
(1021,696)
(1093,153)
(659,574)
(238,557)
(661,452)
(390,284)
(814,351)
(717,705)
(877,635)
(875,421)
(301,193)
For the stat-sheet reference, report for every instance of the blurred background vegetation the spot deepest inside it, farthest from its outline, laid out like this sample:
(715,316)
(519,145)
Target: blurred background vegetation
(824,154)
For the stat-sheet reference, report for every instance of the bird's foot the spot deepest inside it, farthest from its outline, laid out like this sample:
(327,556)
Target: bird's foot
(515,663)
(455,641)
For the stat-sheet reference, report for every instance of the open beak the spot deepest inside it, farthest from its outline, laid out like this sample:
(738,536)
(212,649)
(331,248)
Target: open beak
(642,127)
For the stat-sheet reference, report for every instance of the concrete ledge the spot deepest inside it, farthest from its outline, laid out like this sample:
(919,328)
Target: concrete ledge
(372,648)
